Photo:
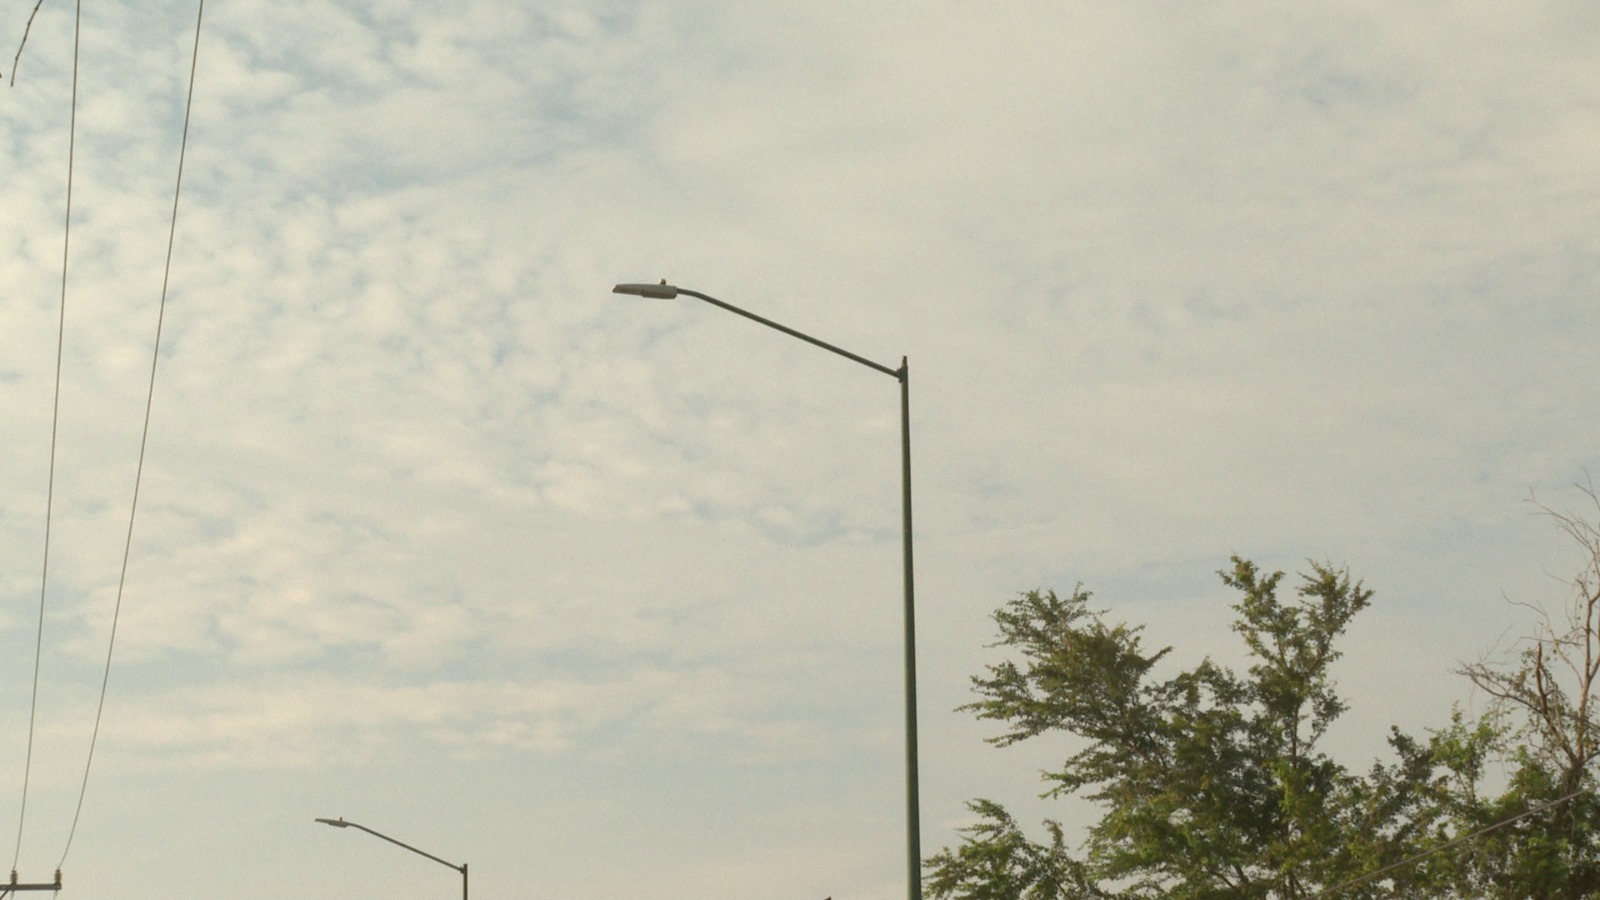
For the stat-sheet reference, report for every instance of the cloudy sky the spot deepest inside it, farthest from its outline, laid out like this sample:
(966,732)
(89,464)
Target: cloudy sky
(601,595)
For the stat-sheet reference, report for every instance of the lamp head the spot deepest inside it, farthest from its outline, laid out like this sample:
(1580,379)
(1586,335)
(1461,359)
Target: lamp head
(337,823)
(662,291)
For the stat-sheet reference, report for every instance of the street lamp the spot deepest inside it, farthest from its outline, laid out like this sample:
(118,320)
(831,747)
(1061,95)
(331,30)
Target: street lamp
(666,291)
(341,823)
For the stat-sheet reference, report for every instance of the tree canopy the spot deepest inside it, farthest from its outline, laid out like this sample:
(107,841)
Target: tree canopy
(1212,783)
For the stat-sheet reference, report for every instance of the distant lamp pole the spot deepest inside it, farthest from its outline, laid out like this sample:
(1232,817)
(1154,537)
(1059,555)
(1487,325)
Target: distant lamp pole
(666,291)
(341,823)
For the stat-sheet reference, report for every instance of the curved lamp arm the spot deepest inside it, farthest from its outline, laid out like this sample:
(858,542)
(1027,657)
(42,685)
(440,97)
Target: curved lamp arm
(341,823)
(666,291)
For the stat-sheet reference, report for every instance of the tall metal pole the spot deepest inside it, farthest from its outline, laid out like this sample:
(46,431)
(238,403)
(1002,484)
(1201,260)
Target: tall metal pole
(903,375)
(913,808)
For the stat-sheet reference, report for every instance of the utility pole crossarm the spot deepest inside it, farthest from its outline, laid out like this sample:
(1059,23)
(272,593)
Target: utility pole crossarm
(14,885)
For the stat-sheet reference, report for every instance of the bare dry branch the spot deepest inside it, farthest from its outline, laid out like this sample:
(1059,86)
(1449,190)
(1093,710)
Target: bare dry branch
(24,42)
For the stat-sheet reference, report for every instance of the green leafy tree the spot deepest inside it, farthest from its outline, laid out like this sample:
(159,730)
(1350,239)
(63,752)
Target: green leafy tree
(1211,784)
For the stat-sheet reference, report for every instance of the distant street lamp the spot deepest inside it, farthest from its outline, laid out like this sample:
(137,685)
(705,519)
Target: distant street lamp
(666,291)
(341,823)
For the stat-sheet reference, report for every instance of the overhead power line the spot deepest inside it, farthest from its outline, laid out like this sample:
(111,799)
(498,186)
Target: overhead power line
(144,437)
(44,579)
(55,419)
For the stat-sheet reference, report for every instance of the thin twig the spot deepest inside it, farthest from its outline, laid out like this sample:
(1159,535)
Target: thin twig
(24,43)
